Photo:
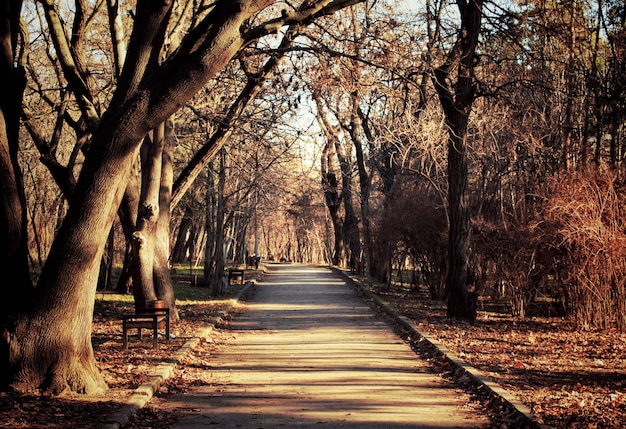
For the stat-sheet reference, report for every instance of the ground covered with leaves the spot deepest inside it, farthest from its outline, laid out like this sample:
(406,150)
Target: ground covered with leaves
(123,370)
(569,378)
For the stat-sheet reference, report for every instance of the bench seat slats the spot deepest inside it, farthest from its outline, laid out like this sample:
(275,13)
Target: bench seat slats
(147,318)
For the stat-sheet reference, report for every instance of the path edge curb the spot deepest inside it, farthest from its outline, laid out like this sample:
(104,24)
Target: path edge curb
(521,411)
(142,394)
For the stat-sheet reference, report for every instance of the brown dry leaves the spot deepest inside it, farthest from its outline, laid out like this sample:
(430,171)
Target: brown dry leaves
(569,378)
(123,371)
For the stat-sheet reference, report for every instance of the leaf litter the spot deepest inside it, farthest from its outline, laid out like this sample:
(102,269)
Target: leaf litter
(568,377)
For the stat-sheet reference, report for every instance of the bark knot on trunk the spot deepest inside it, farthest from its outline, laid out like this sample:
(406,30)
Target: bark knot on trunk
(149,211)
(139,239)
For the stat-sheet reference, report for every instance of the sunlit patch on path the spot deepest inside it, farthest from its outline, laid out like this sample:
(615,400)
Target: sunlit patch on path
(307,352)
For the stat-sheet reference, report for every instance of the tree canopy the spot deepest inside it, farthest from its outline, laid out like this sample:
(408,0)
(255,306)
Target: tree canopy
(478,144)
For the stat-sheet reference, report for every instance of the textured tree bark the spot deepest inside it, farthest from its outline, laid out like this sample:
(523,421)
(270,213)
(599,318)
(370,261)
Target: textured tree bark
(13,216)
(144,237)
(210,224)
(350,223)
(460,298)
(127,214)
(333,202)
(162,280)
(364,183)
(457,105)
(218,256)
(50,347)
(15,294)
(350,220)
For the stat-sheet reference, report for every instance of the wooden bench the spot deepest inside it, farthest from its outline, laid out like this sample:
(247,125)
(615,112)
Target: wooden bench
(233,273)
(147,318)
(253,262)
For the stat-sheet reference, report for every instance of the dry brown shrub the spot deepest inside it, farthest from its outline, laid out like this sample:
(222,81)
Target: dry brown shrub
(511,261)
(417,223)
(585,226)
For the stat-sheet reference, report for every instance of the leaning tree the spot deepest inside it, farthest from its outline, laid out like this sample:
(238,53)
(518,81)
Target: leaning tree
(46,337)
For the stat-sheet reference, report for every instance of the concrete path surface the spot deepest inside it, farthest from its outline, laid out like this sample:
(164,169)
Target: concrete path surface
(305,352)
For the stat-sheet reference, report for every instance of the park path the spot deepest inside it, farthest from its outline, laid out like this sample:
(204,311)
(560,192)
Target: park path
(306,352)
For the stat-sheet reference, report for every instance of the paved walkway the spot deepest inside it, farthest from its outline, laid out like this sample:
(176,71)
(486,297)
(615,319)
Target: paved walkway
(307,352)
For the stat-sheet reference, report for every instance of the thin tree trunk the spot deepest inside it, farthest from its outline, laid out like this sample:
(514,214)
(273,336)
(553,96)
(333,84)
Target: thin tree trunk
(333,202)
(185,230)
(210,225)
(13,210)
(219,262)
(460,301)
(356,122)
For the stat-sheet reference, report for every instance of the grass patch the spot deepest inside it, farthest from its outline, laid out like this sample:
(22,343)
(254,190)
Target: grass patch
(185,291)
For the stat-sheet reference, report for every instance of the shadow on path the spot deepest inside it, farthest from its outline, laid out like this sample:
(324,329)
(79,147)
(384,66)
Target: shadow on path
(308,352)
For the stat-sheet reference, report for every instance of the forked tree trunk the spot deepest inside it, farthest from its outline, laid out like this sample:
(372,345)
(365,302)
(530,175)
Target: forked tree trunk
(457,106)
(50,346)
(150,240)
(350,223)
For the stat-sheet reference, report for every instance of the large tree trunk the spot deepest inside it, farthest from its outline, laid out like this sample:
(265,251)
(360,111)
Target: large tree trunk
(162,280)
(461,300)
(457,107)
(144,237)
(50,347)
(150,241)
(163,286)
(13,214)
